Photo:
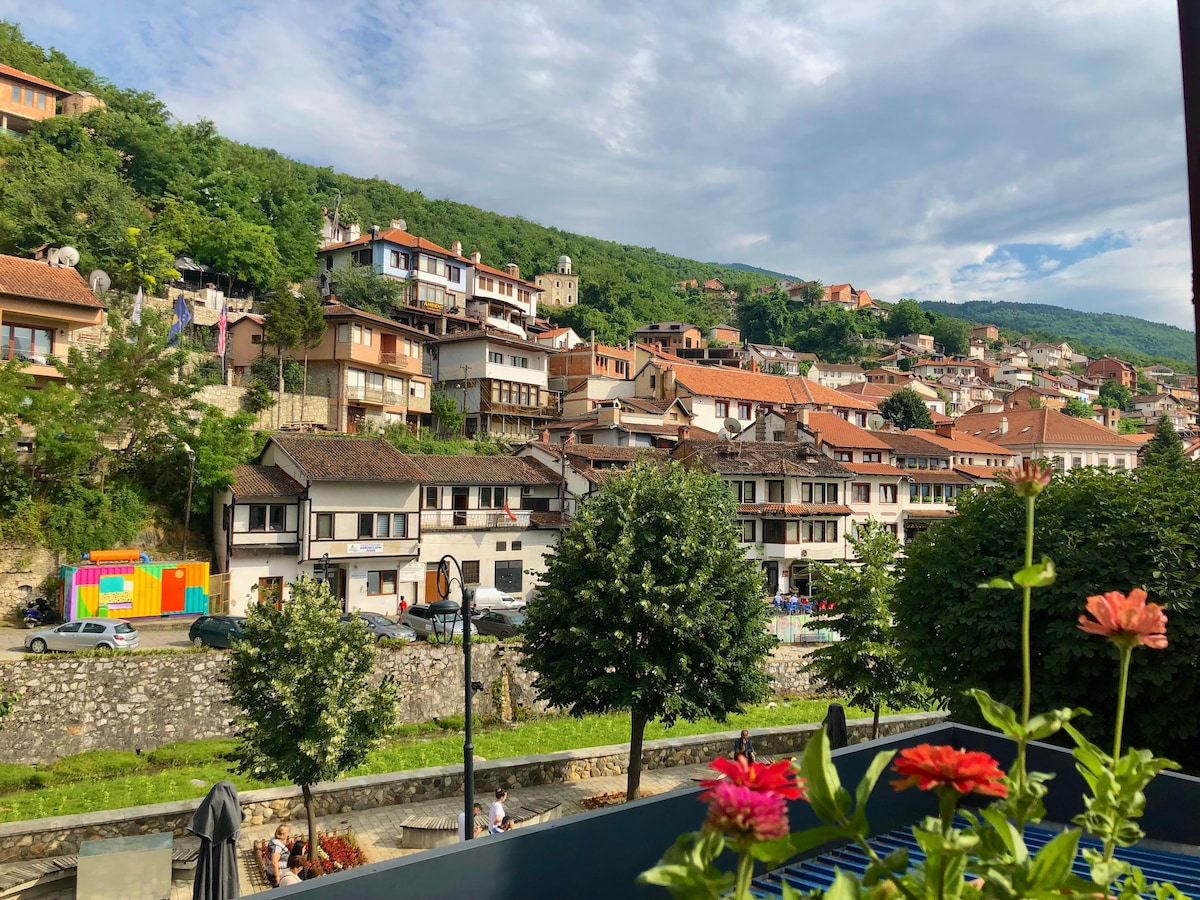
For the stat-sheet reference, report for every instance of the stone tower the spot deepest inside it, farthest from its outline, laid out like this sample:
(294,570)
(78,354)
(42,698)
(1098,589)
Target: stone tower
(559,288)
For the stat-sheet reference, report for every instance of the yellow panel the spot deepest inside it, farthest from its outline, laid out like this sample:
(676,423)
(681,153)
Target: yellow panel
(147,593)
(89,600)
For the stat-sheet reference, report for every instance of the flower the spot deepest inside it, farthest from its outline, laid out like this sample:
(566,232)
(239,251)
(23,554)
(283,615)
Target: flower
(1126,620)
(776,778)
(745,813)
(1030,479)
(932,767)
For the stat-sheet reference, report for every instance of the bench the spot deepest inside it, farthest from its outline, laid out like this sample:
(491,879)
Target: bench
(427,832)
(19,877)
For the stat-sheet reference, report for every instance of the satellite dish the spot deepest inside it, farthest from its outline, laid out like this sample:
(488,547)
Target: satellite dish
(733,426)
(724,435)
(874,422)
(68,256)
(99,281)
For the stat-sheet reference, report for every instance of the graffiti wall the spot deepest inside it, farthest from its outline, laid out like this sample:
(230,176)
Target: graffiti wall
(135,590)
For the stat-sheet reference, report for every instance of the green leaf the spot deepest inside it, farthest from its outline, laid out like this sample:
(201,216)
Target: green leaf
(1038,575)
(828,798)
(1002,717)
(1045,724)
(998,584)
(896,861)
(844,887)
(1008,833)
(1053,862)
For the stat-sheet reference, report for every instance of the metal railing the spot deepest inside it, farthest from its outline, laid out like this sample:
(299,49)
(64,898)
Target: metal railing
(452,519)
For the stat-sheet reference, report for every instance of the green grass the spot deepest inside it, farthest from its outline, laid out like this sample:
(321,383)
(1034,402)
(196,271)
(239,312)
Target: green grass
(113,779)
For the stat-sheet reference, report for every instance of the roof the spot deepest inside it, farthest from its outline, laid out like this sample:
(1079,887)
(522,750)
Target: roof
(340,310)
(837,431)
(483,469)
(325,458)
(758,458)
(874,469)
(501,337)
(839,367)
(794,509)
(396,236)
(936,476)
(966,443)
(588,452)
(38,281)
(1037,426)
(10,72)
(929,513)
(264,481)
(1141,437)
(500,273)
(549,519)
(986,472)
(911,444)
(724,381)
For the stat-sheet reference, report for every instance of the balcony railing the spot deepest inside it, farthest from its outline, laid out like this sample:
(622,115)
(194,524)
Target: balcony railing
(374,397)
(515,409)
(455,519)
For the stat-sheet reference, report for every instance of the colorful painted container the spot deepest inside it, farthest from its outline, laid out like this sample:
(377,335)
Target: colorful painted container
(135,590)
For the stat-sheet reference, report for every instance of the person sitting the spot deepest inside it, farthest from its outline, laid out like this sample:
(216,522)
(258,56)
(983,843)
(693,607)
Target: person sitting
(507,823)
(744,747)
(277,855)
(462,823)
(294,873)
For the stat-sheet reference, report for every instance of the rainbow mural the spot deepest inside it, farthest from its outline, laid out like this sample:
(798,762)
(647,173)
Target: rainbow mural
(135,590)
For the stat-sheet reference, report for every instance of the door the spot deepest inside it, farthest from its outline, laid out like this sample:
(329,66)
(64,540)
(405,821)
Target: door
(270,590)
(772,570)
(356,416)
(459,497)
(93,635)
(64,637)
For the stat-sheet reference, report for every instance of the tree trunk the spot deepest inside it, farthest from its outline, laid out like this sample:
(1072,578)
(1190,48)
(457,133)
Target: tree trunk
(304,387)
(311,814)
(875,723)
(279,403)
(637,730)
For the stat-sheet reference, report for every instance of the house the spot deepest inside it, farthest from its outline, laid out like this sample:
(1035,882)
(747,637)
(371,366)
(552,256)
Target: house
(589,359)
(776,360)
(1049,434)
(715,286)
(1034,396)
(500,299)
(921,343)
(26,99)
(1016,356)
(627,422)
(987,333)
(44,309)
(497,515)
(726,334)
(977,349)
(688,284)
(1013,376)
(671,336)
(1153,408)
(1112,369)
(558,338)
(560,288)
(583,467)
(836,376)
(1049,356)
(499,381)
(343,509)
(1158,371)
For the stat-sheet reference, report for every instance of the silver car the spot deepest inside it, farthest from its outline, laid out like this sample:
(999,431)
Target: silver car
(84,634)
(421,619)
(380,626)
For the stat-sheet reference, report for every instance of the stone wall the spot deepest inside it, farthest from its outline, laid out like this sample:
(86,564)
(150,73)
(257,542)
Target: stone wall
(24,566)
(294,407)
(62,835)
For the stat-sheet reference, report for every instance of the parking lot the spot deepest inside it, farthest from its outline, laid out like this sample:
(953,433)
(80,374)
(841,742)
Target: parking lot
(152,635)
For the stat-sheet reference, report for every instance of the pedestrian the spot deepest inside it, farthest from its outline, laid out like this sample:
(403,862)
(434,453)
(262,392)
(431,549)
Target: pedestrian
(462,823)
(294,873)
(743,746)
(507,823)
(401,606)
(277,855)
(496,818)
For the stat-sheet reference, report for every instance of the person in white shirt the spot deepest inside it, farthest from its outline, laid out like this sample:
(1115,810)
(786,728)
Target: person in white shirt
(496,819)
(462,824)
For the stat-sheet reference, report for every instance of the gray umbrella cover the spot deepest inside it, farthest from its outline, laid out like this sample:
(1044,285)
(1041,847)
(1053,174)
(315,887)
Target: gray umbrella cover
(216,822)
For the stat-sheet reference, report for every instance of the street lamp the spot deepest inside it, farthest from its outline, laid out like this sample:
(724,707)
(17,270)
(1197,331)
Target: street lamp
(187,512)
(446,617)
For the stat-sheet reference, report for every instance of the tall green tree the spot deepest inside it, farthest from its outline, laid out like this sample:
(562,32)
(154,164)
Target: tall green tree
(906,410)
(866,666)
(1114,395)
(361,287)
(953,334)
(1080,409)
(301,685)
(310,323)
(1165,449)
(282,329)
(907,317)
(649,605)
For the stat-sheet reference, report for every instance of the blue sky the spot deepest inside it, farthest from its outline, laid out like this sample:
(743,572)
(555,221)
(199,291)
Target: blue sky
(1028,151)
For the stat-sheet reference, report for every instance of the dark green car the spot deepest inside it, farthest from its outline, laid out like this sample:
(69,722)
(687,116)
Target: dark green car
(216,631)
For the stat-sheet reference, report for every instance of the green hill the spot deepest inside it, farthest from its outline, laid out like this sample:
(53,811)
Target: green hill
(1131,338)
(255,214)
(745,267)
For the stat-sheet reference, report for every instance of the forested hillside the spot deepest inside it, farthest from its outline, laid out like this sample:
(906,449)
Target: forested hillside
(132,188)
(1133,339)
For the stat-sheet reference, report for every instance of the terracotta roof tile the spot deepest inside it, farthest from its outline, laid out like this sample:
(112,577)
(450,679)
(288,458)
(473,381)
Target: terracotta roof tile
(341,310)
(483,469)
(264,481)
(758,458)
(936,476)
(396,236)
(347,458)
(1037,426)
(911,444)
(500,273)
(38,281)
(17,74)
(837,432)
(985,472)
(723,381)
(793,509)
(966,443)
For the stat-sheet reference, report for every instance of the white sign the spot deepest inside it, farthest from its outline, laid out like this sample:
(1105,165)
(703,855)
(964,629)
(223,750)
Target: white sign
(358,576)
(365,548)
(412,571)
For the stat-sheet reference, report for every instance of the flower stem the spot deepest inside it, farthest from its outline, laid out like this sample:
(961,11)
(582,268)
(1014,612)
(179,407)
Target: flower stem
(947,802)
(874,857)
(1122,688)
(1026,602)
(745,874)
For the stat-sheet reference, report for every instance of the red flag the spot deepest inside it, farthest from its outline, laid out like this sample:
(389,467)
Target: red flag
(222,330)
(509,512)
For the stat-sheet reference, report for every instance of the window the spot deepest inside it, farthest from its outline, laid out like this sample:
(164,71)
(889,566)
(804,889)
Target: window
(516,545)
(744,490)
(492,497)
(25,342)
(860,419)
(324,526)
(383,525)
(381,582)
(494,357)
(454,274)
(818,493)
(520,362)
(16,94)
(399,525)
(431,264)
(508,575)
(470,569)
(743,410)
(872,456)
(265,517)
(748,531)
(723,408)
(1121,463)
(820,532)
(501,546)
(860,493)
(892,528)
(28,97)
(1076,462)
(653,379)
(774,491)
(432,496)
(41,101)
(363,257)
(843,455)
(417,389)
(887,493)
(366,525)
(778,531)
(93,628)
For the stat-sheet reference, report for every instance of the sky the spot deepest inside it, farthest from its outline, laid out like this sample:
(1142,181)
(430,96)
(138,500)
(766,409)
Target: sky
(936,149)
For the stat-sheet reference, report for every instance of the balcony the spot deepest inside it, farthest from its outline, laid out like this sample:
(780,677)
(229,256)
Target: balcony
(462,519)
(514,409)
(373,397)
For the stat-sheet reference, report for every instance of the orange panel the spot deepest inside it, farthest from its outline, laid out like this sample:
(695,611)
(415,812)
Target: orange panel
(174,587)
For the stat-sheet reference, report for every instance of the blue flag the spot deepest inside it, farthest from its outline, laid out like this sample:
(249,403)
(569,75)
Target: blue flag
(180,320)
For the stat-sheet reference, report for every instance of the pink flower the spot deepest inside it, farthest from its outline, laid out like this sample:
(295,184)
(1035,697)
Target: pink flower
(930,767)
(1126,620)
(1029,479)
(776,778)
(744,813)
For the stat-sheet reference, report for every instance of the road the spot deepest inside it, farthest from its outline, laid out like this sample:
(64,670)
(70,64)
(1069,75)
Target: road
(152,636)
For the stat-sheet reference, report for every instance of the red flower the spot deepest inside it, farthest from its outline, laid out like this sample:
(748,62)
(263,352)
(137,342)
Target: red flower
(777,778)
(1126,620)
(1030,479)
(745,813)
(932,767)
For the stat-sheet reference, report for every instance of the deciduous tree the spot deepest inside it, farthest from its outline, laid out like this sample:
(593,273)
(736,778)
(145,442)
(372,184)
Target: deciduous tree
(1080,409)
(649,605)
(1114,395)
(310,316)
(906,410)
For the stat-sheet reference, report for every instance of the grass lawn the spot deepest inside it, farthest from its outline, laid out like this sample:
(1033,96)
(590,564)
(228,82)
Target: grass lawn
(110,779)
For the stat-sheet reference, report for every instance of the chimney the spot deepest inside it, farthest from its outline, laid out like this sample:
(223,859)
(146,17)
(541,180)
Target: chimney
(476,258)
(668,382)
(609,414)
(684,431)
(804,417)
(760,427)
(456,248)
(374,232)
(354,231)
(1002,425)
(512,269)
(544,436)
(790,419)
(945,430)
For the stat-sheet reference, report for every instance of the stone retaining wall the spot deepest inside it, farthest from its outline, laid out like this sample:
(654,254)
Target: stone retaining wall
(141,701)
(62,835)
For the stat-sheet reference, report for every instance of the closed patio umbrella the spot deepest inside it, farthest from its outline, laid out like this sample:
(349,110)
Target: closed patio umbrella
(216,823)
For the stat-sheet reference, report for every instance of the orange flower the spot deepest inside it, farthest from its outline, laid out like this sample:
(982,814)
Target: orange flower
(1126,620)
(1030,479)
(930,767)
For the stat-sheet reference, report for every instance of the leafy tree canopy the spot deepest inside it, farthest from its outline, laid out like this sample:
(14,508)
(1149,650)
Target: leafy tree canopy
(1080,409)
(1114,395)
(906,410)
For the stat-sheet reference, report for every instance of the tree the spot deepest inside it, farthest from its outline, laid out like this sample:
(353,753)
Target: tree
(282,329)
(1080,409)
(1145,385)
(1165,449)
(953,334)
(239,248)
(906,410)
(1132,425)
(301,685)
(866,666)
(361,287)
(1114,395)
(907,317)
(650,605)
(814,292)
(447,413)
(310,323)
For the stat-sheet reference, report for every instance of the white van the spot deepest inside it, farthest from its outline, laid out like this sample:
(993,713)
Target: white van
(492,598)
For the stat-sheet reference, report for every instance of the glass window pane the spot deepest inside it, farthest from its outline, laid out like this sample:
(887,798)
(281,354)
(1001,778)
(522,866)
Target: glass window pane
(42,343)
(382,524)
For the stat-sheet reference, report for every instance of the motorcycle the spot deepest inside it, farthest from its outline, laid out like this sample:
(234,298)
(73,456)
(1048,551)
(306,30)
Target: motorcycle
(37,613)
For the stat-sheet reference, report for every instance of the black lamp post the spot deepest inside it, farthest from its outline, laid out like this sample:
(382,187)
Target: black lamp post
(446,617)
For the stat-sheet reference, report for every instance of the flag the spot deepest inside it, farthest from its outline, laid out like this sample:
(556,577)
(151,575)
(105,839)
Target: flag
(136,315)
(180,321)
(222,330)
(509,512)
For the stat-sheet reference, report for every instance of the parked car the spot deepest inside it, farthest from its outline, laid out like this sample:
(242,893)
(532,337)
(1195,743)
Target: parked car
(84,634)
(492,598)
(502,623)
(216,631)
(381,626)
(422,621)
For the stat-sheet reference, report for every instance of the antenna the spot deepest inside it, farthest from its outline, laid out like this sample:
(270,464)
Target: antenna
(68,256)
(733,426)
(99,281)
(874,422)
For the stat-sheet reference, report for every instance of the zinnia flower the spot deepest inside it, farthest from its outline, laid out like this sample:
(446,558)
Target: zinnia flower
(1126,620)
(1030,479)
(931,767)
(746,814)
(777,778)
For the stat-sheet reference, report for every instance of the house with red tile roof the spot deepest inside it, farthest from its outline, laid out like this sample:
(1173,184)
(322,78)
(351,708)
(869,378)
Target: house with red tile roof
(1049,434)
(1112,369)
(26,100)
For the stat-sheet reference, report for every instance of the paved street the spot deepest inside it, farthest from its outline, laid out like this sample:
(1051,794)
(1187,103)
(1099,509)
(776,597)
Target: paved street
(152,635)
